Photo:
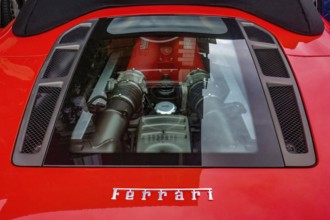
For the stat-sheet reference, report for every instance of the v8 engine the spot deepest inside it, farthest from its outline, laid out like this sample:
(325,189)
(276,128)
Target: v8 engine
(156,104)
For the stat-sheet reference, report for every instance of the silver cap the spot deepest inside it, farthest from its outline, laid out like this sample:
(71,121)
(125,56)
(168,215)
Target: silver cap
(165,108)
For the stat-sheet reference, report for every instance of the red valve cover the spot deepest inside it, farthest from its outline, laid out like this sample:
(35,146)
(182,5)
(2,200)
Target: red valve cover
(174,57)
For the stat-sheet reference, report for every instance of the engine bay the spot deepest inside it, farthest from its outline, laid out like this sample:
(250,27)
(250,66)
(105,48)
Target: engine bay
(146,91)
(160,99)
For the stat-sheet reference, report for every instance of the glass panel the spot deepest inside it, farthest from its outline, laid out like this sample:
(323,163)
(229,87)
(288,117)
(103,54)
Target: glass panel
(158,24)
(165,99)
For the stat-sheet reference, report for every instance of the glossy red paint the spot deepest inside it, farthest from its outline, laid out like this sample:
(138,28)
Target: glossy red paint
(85,193)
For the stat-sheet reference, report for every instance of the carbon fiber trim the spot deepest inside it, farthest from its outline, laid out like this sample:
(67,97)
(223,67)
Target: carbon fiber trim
(60,63)
(255,34)
(287,111)
(76,35)
(42,112)
(271,63)
(46,98)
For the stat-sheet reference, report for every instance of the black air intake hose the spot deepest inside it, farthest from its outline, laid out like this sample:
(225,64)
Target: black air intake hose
(206,97)
(202,88)
(195,97)
(196,81)
(124,100)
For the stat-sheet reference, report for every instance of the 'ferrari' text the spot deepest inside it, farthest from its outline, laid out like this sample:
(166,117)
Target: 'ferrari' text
(162,194)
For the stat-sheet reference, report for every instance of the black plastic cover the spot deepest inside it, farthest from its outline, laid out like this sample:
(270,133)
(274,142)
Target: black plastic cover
(38,16)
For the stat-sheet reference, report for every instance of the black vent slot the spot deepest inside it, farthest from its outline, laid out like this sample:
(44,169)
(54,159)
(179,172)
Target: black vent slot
(60,63)
(271,63)
(75,36)
(255,34)
(41,114)
(287,111)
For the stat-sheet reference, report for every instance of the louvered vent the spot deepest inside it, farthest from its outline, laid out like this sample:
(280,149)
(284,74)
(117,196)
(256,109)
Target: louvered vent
(60,63)
(255,34)
(287,111)
(75,36)
(271,63)
(40,117)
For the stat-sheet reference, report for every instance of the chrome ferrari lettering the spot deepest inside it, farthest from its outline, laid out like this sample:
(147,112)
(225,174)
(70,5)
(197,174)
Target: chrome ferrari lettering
(115,193)
(162,193)
(129,195)
(145,193)
(209,193)
(179,195)
(195,194)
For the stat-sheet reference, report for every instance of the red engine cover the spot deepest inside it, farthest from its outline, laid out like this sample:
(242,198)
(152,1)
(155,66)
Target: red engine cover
(174,57)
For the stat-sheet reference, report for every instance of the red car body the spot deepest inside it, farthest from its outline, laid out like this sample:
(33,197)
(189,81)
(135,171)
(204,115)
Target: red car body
(238,193)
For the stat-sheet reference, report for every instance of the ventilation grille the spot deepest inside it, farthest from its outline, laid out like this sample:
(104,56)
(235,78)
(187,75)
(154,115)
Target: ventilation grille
(255,34)
(75,36)
(60,63)
(271,63)
(40,117)
(287,111)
